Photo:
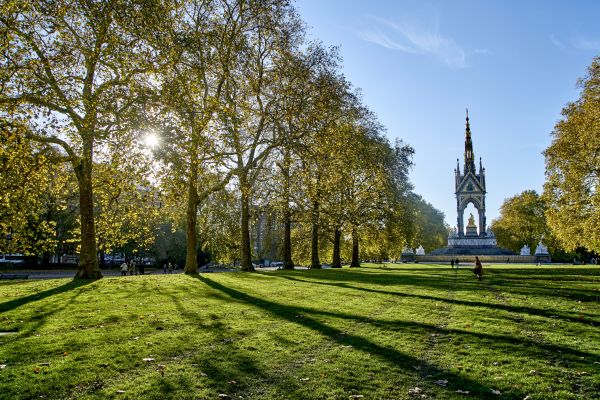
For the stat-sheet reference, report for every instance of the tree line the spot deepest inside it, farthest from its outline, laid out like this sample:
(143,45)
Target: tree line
(252,118)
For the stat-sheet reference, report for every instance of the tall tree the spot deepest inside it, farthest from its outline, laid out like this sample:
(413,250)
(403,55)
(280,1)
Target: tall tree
(249,95)
(430,230)
(298,80)
(71,71)
(204,44)
(572,188)
(522,221)
(25,168)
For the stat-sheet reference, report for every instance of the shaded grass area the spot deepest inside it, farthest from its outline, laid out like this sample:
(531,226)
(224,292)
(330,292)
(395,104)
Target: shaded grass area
(377,331)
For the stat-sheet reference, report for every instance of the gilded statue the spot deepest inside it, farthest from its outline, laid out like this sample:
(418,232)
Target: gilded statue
(471,220)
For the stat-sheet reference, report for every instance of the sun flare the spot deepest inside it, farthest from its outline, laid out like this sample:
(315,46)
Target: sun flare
(152,140)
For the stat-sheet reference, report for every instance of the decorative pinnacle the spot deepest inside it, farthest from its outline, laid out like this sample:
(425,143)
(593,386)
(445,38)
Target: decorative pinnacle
(468,127)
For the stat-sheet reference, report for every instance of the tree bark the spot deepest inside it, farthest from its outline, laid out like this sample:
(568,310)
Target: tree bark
(314,254)
(246,261)
(337,236)
(355,263)
(191,260)
(287,221)
(88,260)
(287,241)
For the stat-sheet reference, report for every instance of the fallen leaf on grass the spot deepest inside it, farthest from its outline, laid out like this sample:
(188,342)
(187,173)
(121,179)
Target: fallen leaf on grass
(357,396)
(415,391)
(462,391)
(65,354)
(232,382)
(496,392)
(441,382)
(203,374)
(528,397)
(120,391)
(223,396)
(534,372)
(582,373)
(148,359)
(36,370)
(161,368)
(495,363)
(304,379)
(2,366)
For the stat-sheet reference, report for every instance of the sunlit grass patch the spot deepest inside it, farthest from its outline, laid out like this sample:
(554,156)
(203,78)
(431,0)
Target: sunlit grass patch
(378,332)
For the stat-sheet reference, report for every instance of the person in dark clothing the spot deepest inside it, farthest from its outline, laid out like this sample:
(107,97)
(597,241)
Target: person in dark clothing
(478,270)
(452,263)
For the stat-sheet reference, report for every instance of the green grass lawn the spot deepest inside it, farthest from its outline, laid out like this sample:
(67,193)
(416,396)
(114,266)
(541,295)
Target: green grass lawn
(393,332)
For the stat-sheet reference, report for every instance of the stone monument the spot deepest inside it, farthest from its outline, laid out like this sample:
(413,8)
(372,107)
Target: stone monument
(470,189)
(541,253)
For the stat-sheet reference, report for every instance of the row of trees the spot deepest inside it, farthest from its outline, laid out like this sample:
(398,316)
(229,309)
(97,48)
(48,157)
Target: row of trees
(567,213)
(251,117)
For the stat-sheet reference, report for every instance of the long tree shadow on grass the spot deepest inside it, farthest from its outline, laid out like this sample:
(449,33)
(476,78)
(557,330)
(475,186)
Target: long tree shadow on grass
(516,309)
(531,347)
(391,355)
(438,281)
(66,287)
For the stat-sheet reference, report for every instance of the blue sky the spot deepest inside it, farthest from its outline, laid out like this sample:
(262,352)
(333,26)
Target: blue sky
(419,64)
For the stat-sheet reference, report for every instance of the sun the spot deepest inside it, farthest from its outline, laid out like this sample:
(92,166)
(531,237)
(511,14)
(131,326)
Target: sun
(152,140)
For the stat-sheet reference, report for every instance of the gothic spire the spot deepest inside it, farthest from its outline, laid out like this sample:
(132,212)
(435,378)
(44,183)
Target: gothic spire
(469,157)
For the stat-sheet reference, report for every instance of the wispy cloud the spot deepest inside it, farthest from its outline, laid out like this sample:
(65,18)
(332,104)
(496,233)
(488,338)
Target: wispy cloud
(409,38)
(586,44)
(557,42)
(483,51)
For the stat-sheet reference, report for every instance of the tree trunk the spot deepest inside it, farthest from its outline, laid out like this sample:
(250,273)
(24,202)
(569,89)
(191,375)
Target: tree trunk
(287,220)
(88,260)
(287,242)
(191,260)
(314,256)
(337,236)
(246,261)
(355,263)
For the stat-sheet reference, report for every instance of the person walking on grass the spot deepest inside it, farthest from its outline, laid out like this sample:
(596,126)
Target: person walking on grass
(124,268)
(452,263)
(478,270)
(165,268)
(170,268)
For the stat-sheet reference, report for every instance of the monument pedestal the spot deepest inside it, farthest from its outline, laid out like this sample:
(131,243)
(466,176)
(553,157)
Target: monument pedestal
(472,245)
